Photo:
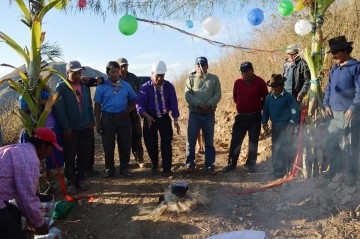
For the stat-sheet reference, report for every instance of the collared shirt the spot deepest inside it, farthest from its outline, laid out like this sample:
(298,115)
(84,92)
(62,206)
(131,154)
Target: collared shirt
(19,177)
(249,98)
(114,99)
(281,109)
(145,101)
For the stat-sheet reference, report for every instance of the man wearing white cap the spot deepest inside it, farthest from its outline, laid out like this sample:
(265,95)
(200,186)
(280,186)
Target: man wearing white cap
(154,102)
(19,177)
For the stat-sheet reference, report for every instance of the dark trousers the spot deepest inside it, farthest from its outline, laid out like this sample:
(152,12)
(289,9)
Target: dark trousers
(283,153)
(119,129)
(136,134)
(77,151)
(10,224)
(164,127)
(92,154)
(245,124)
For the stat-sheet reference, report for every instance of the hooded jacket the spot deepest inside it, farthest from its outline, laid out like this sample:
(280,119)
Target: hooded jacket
(343,89)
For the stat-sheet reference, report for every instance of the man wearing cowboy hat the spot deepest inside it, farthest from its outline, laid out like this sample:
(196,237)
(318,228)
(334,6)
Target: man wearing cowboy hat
(296,73)
(342,104)
(281,107)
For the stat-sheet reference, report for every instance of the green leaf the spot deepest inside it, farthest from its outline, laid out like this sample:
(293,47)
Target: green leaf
(47,8)
(24,10)
(13,84)
(26,120)
(8,40)
(36,42)
(48,106)
(41,86)
(61,76)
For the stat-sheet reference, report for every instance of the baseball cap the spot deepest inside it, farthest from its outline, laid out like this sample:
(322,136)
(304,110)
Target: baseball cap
(122,61)
(201,61)
(292,49)
(158,67)
(46,134)
(74,66)
(245,66)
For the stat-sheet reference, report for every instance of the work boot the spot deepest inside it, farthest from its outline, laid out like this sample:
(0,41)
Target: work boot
(229,168)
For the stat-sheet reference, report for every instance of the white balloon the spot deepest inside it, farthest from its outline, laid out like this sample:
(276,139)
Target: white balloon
(303,27)
(212,26)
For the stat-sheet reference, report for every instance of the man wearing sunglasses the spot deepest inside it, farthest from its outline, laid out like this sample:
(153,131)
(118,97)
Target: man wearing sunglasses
(296,73)
(249,94)
(342,105)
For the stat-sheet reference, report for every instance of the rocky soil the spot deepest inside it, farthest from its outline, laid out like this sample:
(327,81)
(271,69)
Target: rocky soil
(129,207)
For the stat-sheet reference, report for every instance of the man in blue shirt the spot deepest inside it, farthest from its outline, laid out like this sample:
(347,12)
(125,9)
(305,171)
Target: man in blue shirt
(281,107)
(114,100)
(342,105)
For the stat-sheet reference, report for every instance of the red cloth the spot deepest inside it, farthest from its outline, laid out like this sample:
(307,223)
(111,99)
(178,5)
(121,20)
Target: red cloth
(19,178)
(250,98)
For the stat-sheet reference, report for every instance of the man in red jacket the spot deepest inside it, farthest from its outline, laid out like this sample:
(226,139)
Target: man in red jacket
(249,94)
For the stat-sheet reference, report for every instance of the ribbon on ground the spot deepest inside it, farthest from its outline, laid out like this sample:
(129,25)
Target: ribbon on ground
(63,187)
(296,165)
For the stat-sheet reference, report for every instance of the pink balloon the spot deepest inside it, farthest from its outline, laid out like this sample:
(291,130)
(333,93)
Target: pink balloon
(82,3)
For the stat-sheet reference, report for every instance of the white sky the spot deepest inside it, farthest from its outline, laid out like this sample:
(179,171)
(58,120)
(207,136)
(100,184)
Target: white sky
(87,38)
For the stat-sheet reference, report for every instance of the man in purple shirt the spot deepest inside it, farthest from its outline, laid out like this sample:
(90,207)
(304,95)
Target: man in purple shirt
(154,102)
(19,177)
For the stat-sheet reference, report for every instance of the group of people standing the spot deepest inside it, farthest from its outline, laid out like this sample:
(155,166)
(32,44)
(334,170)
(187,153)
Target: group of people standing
(341,103)
(120,102)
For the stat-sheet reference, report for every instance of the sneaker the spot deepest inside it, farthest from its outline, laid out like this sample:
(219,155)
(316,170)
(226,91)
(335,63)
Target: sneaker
(211,170)
(328,174)
(125,173)
(190,168)
(108,173)
(83,186)
(228,168)
(140,164)
(71,189)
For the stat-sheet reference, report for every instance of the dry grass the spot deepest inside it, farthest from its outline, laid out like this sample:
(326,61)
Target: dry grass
(343,18)
(10,123)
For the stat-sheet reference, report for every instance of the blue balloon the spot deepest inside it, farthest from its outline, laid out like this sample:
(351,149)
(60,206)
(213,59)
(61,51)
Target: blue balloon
(255,16)
(189,24)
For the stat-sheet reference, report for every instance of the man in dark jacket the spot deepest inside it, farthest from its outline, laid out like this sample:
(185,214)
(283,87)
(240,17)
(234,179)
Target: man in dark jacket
(75,114)
(342,105)
(296,73)
(136,133)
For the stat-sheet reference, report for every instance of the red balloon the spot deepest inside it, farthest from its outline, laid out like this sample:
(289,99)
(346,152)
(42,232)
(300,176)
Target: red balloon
(82,3)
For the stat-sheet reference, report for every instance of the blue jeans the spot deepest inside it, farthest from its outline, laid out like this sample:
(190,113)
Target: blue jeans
(206,123)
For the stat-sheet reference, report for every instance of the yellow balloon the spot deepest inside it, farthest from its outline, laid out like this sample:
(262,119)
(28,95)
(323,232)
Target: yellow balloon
(60,5)
(299,6)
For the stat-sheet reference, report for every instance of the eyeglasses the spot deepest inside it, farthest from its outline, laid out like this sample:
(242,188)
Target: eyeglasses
(275,86)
